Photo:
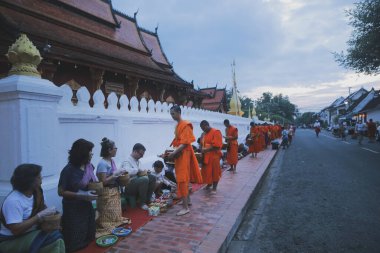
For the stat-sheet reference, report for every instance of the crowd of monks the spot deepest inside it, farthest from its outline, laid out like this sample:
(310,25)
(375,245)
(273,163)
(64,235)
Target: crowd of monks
(211,144)
(260,136)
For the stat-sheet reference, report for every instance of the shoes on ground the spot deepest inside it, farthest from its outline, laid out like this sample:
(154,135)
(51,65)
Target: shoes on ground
(183,212)
(144,207)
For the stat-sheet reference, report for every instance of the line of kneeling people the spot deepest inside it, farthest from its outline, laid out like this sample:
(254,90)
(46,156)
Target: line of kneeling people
(24,212)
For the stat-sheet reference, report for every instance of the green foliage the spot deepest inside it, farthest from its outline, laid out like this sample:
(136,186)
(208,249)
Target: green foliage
(276,108)
(363,53)
(306,118)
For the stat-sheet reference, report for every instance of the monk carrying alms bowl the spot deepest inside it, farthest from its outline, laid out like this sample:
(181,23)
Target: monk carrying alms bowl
(166,154)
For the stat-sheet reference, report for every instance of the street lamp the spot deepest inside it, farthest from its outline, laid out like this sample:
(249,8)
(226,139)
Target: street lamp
(346,104)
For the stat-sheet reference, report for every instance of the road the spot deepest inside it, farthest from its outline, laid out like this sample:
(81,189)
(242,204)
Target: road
(320,195)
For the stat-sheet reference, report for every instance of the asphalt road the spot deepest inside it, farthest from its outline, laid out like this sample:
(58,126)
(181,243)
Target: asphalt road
(320,195)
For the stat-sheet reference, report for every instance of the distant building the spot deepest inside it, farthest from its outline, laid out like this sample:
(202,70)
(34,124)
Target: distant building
(372,109)
(327,114)
(359,105)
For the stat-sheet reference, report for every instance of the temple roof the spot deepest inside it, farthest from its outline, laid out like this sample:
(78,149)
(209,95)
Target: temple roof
(374,103)
(129,33)
(216,100)
(93,34)
(96,9)
(152,42)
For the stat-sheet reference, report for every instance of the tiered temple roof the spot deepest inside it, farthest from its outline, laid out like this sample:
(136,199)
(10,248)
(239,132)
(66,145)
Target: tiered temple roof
(89,33)
(216,100)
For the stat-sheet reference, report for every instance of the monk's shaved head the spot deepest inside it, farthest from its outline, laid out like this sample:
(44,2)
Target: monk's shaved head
(175,108)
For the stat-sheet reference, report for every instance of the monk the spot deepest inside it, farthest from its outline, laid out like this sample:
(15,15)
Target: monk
(371,129)
(185,163)
(232,145)
(211,145)
(255,145)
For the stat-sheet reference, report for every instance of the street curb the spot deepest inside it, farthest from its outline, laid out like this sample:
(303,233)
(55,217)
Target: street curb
(223,248)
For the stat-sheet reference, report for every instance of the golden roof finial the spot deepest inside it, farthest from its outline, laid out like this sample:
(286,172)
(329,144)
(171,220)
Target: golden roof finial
(24,57)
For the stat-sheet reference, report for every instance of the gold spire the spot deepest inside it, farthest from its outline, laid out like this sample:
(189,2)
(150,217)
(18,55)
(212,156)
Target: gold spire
(24,57)
(253,112)
(235,105)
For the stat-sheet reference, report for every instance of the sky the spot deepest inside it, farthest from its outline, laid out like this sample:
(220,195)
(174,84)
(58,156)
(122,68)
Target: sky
(279,46)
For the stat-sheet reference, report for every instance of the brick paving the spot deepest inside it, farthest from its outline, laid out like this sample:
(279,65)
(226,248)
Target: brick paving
(213,219)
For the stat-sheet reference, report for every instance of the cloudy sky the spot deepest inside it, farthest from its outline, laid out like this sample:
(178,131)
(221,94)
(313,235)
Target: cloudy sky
(279,46)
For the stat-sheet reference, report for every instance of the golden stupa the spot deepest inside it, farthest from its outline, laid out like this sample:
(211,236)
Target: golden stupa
(253,113)
(235,104)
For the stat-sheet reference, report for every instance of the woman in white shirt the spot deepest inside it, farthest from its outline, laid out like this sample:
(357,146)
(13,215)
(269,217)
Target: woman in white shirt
(22,212)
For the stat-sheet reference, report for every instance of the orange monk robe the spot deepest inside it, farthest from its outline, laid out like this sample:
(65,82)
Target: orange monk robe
(232,145)
(275,132)
(211,171)
(186,164)
(265,130)
(255,145)
(271,133)
(261,138)
(279,131)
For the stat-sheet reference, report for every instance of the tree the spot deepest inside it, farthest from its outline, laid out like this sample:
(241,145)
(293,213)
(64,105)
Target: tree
(306,118)
(363,53)
(277,108)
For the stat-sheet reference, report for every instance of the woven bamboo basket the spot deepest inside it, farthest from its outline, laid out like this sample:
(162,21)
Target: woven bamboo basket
(96,186)
(51,222)
(123,179)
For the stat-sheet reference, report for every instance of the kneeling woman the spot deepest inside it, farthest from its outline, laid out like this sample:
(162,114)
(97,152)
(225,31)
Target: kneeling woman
(78,218)
(22,211)
(108,203)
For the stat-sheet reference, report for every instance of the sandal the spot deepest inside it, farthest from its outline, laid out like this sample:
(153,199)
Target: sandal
(183,212)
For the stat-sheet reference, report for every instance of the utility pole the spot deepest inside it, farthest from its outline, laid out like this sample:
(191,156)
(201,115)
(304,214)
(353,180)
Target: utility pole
(349,90)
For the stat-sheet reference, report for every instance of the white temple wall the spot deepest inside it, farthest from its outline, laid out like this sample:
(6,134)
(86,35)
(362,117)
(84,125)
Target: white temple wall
(41,129)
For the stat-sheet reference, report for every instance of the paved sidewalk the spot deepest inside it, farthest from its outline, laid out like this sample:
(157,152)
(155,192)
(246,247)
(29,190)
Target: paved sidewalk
(213,219)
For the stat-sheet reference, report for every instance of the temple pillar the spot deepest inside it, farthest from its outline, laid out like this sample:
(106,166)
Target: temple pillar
(134,85)
(29,120)
(97,77)
(162,94)
(48,69)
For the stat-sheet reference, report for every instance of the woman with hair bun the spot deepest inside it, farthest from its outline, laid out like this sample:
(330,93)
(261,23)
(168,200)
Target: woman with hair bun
(108,203)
